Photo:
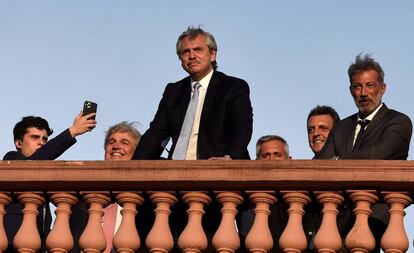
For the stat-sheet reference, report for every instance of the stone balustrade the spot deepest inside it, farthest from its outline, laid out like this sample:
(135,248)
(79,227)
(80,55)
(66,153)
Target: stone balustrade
(233,186)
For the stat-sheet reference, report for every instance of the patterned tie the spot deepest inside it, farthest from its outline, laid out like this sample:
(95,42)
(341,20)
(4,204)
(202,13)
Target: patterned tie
(180,150)
(363,123)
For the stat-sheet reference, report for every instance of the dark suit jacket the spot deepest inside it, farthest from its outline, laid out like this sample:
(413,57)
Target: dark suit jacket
(14,216)
(387,137)
(225,124)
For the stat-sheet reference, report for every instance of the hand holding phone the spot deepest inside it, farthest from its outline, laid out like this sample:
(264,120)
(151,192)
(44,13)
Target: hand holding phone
(88,108)
(82,124)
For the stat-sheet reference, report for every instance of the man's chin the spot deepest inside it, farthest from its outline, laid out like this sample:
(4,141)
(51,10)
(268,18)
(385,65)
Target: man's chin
(116,158)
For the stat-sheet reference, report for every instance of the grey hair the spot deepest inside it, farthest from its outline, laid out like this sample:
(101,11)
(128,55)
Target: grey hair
(192,32)
(267,138)
(363,63)
(123,127)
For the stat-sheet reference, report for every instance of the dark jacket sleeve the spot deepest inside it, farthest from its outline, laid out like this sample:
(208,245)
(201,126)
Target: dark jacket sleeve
(241,113)
(149,147)
(50,151)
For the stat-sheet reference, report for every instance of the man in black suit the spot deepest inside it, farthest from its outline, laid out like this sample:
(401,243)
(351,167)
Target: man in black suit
(222,125)
(31,140)
(388,133)
(375,132)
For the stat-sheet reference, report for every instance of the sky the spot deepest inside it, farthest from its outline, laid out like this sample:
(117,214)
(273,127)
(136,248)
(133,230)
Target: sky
(294,54)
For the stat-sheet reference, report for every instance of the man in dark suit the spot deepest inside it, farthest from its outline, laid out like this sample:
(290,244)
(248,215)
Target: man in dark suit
(222,122)
(388,133)
(31,140)
(375,132)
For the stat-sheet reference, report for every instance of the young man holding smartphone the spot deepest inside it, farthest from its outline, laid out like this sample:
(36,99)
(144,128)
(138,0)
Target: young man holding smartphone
(31,141)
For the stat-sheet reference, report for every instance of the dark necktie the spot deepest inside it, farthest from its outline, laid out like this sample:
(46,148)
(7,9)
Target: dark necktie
(363,123)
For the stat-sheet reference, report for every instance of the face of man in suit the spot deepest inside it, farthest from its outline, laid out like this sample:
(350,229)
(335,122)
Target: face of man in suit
(367,91)
(196,57)
(120,146)
(273,150)
(319,127)
(32,140)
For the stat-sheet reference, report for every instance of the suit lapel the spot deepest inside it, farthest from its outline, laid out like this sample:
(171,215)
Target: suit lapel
(186,95)
(210,95)
(373,125)
(351,133)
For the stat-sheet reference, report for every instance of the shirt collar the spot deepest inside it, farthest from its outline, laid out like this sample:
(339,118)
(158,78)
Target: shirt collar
(372,115)
(203,82)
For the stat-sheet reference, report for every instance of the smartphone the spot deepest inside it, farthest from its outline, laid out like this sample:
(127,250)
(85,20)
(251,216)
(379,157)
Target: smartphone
(89,107)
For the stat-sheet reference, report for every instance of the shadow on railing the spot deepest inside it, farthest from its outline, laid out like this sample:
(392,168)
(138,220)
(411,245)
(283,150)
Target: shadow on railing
(326,206)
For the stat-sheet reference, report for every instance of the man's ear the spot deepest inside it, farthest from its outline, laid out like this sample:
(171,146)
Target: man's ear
(18,144)
(384,88)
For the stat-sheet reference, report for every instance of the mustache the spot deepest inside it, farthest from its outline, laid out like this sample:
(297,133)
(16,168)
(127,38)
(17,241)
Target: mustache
(192,62)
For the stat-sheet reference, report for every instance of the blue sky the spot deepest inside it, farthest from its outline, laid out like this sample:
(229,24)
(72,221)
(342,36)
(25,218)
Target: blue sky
(294,55)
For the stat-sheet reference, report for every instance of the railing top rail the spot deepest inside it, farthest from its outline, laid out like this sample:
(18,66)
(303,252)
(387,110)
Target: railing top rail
(207,175)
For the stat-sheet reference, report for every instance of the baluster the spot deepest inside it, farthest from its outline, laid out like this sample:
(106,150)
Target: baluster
(259,238)
(226,239)
(60,238)
(27,239)
(360,239)
(328,239)
(193,239)
(126,239)
(160,239)
(395,238)
(4,201)
(92,239)
(293,238)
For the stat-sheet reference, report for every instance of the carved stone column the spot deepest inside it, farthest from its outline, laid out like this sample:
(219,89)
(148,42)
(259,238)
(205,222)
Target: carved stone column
(360,239)
(226,239)
(259,239)
(193,239)
(27,239)
(60,239)
(293,238)
(395,238)
(328,239)
(126,239)
(4,201)
(160,239)
(92,239)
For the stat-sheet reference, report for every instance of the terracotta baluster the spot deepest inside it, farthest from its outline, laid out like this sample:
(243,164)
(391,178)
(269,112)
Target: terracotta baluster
(126,239)
(4,201)
(92,239)
(160,239)
(328,239)
(193,239)
(226,239)
(259,238)
(395,238)
(293,238)
(27,239)
(60,238)
(360,239)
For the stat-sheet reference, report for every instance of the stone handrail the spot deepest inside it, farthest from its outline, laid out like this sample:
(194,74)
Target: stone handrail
(197,183)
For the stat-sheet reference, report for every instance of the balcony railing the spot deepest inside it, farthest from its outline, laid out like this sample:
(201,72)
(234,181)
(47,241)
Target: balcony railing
(259,184)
